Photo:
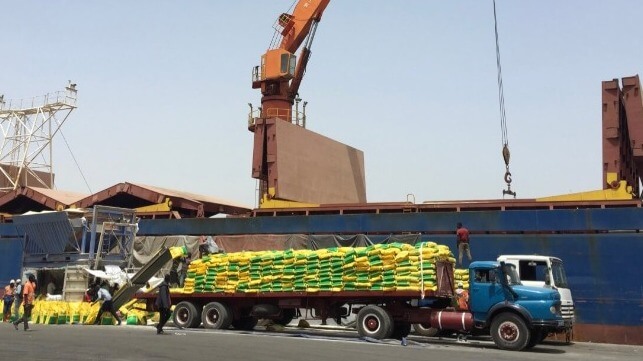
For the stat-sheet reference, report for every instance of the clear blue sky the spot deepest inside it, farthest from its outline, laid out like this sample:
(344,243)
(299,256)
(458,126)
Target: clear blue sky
(164,86)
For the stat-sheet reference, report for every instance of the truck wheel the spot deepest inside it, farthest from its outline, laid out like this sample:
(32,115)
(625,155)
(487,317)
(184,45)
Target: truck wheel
(186,315)
(247,323)
(425,329)
(287,315)
(401,329)
(216,316)
(374,322)
(509,332)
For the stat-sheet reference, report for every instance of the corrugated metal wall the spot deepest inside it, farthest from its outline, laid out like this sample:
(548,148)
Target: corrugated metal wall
(10,259)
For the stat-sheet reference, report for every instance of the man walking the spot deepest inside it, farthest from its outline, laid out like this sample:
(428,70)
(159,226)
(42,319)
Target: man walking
(28,297)
(163,303)
(108,305)
(462,241)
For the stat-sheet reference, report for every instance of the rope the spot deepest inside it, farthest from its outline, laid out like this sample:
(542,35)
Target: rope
(501,96)
(503,115)
(421,271)
(75,161)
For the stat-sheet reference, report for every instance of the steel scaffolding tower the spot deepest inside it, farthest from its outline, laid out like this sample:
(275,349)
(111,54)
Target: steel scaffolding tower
(28,127)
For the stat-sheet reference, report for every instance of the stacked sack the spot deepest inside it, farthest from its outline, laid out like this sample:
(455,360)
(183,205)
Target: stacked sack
(382,267)
(462,275)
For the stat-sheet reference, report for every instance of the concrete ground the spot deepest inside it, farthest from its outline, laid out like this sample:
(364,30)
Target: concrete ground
(80,342)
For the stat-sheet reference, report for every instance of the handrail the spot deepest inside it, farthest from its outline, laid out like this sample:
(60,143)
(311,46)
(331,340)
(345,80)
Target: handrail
(290,115)
(67,98)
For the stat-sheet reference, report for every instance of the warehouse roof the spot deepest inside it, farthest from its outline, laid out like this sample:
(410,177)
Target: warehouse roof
(26,199)
(169,202)
(186,204)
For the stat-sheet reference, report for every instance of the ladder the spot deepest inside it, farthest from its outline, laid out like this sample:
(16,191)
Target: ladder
(75,283)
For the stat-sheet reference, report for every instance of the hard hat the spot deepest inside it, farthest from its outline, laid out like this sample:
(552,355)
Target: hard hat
(460,285)
(12,281)
(18,280)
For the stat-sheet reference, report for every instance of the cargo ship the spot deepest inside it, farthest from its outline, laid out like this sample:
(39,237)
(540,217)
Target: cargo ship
(313,195)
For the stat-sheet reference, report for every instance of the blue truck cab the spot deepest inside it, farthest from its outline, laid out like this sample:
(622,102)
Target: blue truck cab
(516,316)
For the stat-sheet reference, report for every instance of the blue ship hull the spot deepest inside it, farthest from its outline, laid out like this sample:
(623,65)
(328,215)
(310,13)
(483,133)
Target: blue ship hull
(598,247)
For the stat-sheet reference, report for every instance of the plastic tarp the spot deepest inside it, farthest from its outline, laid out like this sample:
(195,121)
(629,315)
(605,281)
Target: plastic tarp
(117,275)
(277,242)
(146,247)
(112,274)
(261,242)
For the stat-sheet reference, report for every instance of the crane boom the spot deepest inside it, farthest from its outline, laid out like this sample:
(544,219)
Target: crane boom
(280,73)
(297,26)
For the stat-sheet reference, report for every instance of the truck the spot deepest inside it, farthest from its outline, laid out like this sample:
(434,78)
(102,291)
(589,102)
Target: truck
(536,271)
(549,272)
(516,316)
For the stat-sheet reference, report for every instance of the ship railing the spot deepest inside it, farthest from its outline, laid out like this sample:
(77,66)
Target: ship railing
(290,115)
(58,98)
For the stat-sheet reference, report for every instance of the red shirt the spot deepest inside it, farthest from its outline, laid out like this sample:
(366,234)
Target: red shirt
(462,235)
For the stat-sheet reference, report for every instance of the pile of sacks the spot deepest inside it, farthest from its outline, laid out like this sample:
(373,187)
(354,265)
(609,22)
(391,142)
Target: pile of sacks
(50,312)
(381,267)
(462,275)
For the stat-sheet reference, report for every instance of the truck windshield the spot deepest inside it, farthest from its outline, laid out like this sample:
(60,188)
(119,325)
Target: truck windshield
(557,269)
(531,270)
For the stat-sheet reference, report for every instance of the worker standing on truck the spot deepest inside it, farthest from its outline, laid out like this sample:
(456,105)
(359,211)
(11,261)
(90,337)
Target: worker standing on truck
(462,241)
(163,303)
(183,269)
(462,297)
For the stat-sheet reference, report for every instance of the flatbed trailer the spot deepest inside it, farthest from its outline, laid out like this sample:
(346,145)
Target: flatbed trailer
(242,310)
(516,316)
(395,310)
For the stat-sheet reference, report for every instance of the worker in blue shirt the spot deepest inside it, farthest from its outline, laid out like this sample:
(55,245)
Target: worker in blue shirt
(108,305)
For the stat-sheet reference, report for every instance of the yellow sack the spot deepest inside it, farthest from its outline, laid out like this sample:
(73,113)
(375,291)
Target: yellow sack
(176,252)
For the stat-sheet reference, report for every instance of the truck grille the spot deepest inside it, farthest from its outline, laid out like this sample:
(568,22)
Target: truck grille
(567,311)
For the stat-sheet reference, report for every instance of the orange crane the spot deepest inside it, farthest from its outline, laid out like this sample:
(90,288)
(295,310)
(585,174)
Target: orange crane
(279,76)
(280,73)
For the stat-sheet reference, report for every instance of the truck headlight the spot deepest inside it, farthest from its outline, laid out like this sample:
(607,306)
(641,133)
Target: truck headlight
(552,309)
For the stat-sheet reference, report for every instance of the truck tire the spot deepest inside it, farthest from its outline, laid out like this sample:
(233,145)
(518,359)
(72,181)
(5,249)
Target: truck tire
(400,330)
(186,315)
(216,316)
(287,315)
(425,329)
(374,322)
(247,323)
(509,332)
